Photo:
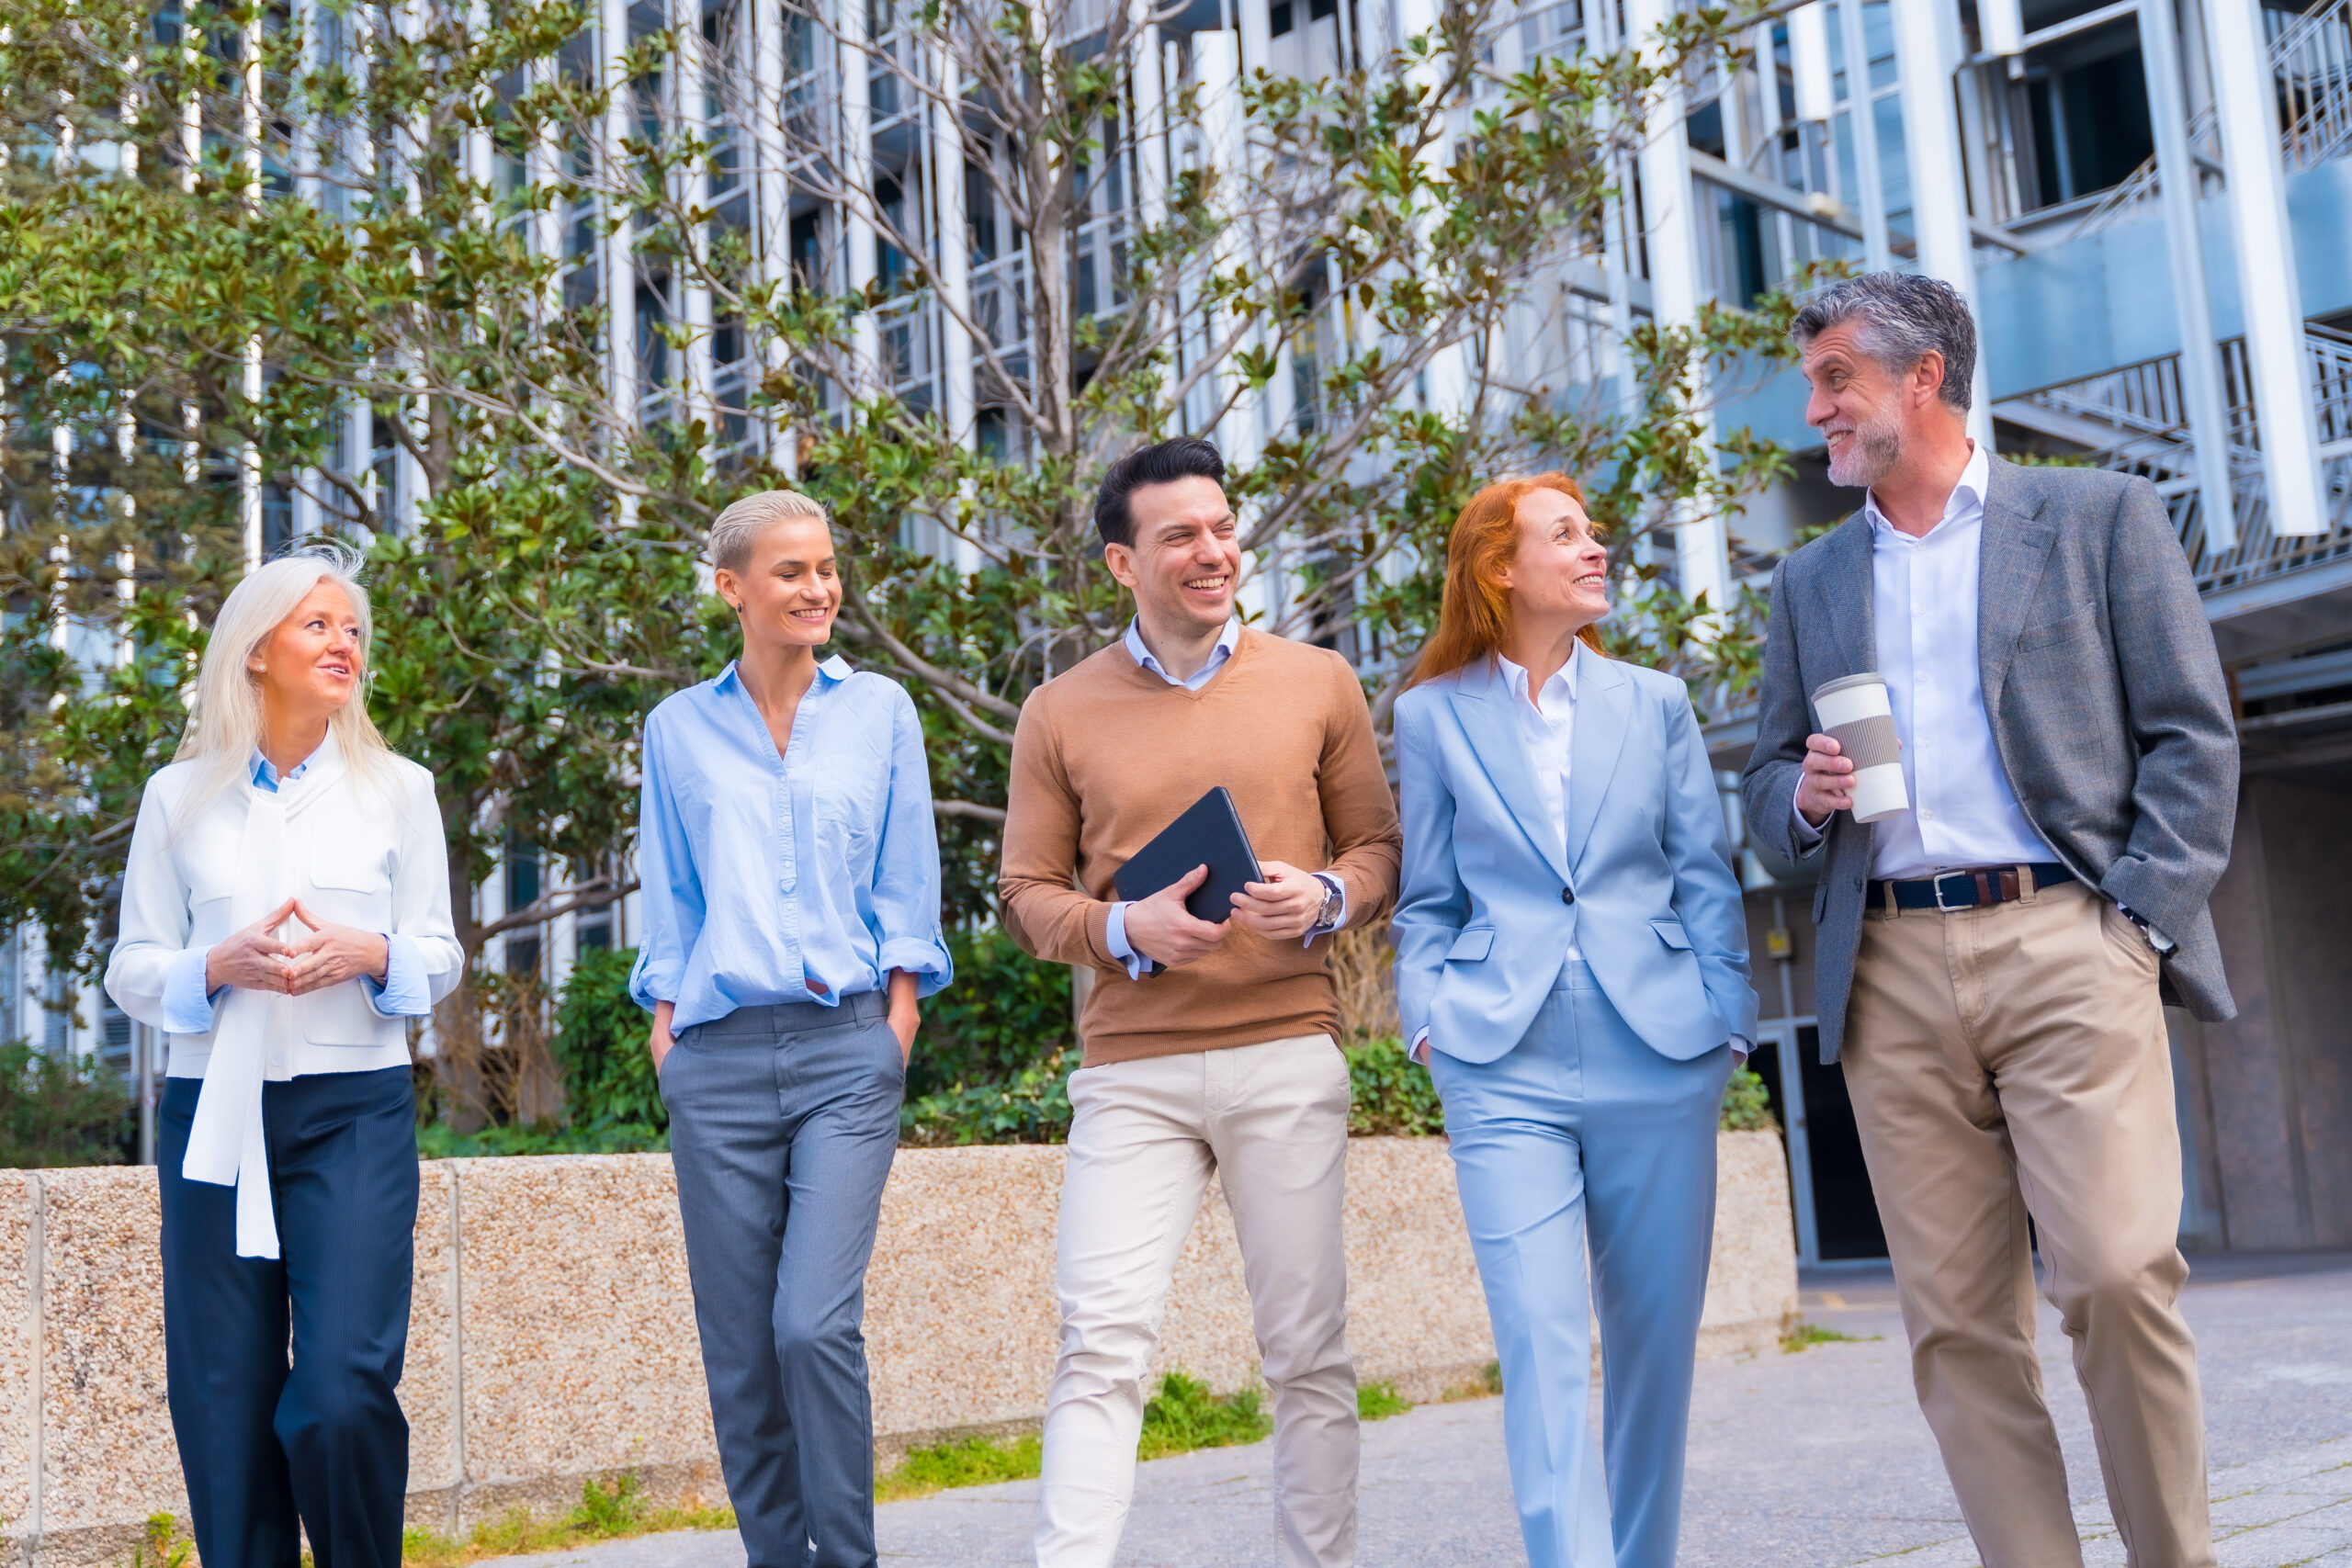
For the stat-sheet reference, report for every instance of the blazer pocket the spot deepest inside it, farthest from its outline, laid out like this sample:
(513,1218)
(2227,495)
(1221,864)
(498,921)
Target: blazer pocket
(1671,933)
(1820,898)
(2063,629)
(1472,945)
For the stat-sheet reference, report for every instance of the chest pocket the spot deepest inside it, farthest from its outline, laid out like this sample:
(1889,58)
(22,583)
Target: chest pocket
(350,862)
(848,794)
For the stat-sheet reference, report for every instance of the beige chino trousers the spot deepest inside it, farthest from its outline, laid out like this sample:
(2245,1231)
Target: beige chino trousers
(2011,1060)
(1271,1121)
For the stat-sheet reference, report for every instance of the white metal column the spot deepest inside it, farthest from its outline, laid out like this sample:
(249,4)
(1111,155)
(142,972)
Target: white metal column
(954,250)
(856,141)
(2245,97)
(1861,122)
(617,264)
(774,195)
(2200,372)
(1924,60)
(1702,563)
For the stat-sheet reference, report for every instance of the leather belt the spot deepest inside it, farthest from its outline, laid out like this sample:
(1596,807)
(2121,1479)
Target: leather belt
(1951,890)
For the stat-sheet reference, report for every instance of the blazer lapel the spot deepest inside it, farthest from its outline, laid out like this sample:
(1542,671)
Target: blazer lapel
(1482,704)
(2011,558)
(1604,698)
(1850,587)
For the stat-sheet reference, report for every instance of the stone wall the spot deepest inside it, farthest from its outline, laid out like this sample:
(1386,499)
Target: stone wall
(552,1337)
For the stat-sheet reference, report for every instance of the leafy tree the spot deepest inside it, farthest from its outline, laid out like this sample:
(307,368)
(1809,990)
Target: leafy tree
(352,254)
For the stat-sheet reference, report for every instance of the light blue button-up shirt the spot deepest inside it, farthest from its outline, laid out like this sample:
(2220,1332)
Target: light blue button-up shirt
(1114,930)
(190,1010)
(805,876)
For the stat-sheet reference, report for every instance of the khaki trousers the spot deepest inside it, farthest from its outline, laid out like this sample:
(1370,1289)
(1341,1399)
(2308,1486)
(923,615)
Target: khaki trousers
(2006,1061)
(1271,1121)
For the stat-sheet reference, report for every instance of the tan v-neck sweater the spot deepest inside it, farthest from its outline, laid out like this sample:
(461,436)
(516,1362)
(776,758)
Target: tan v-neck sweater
(1107,754)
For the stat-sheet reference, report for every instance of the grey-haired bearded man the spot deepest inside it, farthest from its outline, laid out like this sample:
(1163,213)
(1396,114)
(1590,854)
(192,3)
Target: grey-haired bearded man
(1992,962)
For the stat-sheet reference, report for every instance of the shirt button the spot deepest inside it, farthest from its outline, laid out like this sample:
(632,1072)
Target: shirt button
(1928,816)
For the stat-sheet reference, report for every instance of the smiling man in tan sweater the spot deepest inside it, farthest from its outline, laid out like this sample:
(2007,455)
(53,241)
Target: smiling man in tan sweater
(1209,1047)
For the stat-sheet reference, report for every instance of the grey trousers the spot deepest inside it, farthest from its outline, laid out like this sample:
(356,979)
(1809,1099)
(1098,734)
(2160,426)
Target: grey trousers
(783,1121)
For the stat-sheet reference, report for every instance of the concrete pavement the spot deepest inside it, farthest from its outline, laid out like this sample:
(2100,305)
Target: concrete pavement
(1813,1460)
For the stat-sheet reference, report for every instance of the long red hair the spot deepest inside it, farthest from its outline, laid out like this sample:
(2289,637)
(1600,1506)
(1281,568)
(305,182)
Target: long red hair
(1473,616)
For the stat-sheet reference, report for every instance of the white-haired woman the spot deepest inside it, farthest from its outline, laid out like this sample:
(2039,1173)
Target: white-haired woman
(285,911)
(790,877)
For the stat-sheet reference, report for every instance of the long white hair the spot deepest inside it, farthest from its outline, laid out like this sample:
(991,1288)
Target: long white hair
(224,723)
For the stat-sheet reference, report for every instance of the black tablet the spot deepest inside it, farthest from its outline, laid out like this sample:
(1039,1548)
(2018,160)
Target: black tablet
(1209,833)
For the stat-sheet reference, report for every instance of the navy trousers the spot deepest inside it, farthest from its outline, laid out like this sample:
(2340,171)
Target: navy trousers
(783,1122)
(261,1439)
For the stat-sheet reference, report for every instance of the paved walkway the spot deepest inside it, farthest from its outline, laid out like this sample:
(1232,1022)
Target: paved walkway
(1816,1460)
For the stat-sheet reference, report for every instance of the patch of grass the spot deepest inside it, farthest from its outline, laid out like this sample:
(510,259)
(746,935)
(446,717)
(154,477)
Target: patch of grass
(1379,1401)
(974,1462)
(1187,1414)
(605,1513)
(1806,1335)
(162,1547)
(1488,1384)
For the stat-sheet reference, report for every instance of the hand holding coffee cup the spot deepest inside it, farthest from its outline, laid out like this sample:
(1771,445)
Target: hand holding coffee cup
(1855,762)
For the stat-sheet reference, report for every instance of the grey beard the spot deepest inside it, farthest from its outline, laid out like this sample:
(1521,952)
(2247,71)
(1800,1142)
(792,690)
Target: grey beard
(1872,453)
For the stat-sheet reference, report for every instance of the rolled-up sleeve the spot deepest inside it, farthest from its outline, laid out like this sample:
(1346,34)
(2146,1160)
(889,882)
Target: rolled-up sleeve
(671,894)
(906,861)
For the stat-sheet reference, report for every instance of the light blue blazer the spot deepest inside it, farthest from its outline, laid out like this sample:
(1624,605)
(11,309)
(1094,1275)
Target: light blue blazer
(1482,928)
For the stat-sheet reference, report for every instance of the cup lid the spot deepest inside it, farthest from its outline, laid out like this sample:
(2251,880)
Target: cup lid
(1844,682)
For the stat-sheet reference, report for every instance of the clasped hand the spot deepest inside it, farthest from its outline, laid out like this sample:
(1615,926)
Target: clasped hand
(1281,908)
(328,955)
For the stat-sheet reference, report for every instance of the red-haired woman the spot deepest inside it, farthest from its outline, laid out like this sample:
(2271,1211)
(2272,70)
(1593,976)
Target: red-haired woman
(1572,964)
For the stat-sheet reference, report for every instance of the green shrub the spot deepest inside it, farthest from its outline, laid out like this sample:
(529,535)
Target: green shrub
(1005,1013)
(1030,1106)
(1391,1093)
(62,1111)
(600,1048)
(1748,1104)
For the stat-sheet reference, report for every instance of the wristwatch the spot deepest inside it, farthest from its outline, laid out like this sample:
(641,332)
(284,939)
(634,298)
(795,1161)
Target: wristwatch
(1334,900)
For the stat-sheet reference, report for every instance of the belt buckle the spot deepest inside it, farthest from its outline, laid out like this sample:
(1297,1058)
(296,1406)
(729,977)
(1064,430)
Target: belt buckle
(1937,883)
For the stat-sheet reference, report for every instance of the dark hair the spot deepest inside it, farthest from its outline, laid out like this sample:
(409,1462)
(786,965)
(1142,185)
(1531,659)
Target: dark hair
(1901,316)
(1163,462)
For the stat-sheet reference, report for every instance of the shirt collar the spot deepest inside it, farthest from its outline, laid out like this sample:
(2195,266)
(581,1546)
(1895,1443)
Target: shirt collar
(265,774)
(833,669)
(1967,493)
(1564,683)
(1226,641)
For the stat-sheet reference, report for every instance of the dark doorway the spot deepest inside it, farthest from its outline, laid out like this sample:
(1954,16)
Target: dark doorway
(1845,1215)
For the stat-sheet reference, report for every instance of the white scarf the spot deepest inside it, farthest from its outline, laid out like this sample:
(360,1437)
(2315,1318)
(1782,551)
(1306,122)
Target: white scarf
(227,1144)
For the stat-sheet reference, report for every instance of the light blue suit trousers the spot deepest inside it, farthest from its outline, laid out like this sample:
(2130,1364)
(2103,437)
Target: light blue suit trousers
(1583,1129)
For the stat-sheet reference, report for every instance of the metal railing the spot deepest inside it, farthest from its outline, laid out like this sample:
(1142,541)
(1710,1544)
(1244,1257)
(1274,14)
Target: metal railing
(2311,58)
(2143,406)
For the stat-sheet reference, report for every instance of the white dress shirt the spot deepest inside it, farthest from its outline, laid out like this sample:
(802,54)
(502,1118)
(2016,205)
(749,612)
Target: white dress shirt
(1114,930)
(1548,732)
(1924,602)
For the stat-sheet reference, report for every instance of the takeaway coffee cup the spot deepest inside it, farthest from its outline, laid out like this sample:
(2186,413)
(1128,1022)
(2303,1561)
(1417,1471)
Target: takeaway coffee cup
(1853,711)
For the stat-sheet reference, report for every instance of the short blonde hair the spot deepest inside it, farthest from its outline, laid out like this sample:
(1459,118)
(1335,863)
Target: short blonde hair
(739,528)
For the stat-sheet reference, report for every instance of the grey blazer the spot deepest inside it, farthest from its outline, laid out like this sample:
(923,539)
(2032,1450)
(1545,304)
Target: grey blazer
(2105,696)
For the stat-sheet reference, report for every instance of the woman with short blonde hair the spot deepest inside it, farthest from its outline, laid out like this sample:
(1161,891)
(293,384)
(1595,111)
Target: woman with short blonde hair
(790,887)
(285,914)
